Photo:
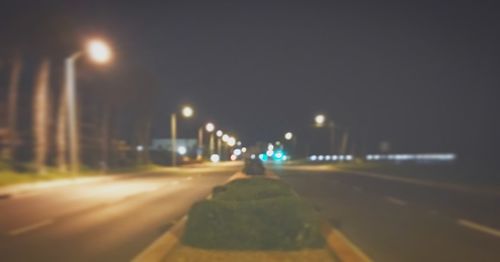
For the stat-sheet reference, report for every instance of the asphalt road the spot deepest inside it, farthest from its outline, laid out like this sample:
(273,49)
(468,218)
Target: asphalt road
(100,221)
(403,221)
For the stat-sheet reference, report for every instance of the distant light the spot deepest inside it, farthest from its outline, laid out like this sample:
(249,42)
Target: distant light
(327,158)
(233,157)
(263,157)
(243,149)
(210,127)
(182,150)
(219,133)
(269,153)
(285,157)
(319,119)
(99,51)
(237,152)
(215,158)
(270,146)
(277,143)
(288,135)
(225,137)
(341,157)
(278,155)
(140,148)
(187,111)
(231,141)
(238,143)
(313,158)
(321,158)
(348,157)
(369,157)
(334,158)
(252,156)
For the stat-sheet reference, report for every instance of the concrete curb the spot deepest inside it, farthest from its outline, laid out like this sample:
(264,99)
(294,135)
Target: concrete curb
(160,248)
(345,250)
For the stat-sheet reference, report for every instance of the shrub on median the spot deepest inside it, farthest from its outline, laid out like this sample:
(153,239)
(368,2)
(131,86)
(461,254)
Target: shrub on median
(252,189)
(253,214)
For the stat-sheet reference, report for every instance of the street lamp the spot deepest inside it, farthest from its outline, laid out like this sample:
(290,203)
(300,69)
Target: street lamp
(187,112)
(288,136)
(210,127)
(319,120)
(100,52)
(219,134)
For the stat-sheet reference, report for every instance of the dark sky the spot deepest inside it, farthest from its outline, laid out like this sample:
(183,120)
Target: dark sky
(422,75)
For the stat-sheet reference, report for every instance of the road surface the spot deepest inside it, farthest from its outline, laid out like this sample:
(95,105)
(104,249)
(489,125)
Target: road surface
(396,221)
(101,221)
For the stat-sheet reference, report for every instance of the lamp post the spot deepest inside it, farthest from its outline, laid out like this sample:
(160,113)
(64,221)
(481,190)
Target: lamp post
(210,127)
(219,135)
(99,52)
(320,120)
(187,112)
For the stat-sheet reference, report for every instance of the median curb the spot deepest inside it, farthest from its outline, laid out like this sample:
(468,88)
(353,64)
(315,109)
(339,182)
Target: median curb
(337,243)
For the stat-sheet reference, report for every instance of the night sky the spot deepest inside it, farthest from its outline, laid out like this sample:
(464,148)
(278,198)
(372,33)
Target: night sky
(422,75)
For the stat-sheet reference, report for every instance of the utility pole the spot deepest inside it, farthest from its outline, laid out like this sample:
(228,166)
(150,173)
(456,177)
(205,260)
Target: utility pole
(345,140)
(12,107)
(173,133)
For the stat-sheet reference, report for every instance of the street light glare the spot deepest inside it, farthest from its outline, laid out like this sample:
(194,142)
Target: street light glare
(99,51)
(288,135)
(182,150)
(319,119)
(209,127)
(219,133)
(187,111)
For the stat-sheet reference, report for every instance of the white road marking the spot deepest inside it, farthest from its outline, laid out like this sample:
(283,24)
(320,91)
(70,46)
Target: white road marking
(479,227)
(395,201)
(31,227)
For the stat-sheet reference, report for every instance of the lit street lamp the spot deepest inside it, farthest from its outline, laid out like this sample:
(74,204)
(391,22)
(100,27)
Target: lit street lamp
(187,112)
(320,121)
(219,134)
(210,127)
(98,51)
(288,136)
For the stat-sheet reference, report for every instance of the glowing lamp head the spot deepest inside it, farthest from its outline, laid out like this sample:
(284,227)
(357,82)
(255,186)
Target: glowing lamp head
(288,135)
(320,120)
(219,133)
(209,127)
(182,150)
(231,141)
(99,51)
(187,111)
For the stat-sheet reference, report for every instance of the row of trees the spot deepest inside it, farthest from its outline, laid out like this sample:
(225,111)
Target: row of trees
(115,111)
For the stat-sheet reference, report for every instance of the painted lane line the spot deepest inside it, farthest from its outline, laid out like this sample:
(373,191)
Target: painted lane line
(479,227)
(395,201)
(31,227)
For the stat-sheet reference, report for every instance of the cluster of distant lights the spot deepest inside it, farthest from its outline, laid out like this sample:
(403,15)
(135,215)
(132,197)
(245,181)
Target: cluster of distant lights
(409,157)
(331,158)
